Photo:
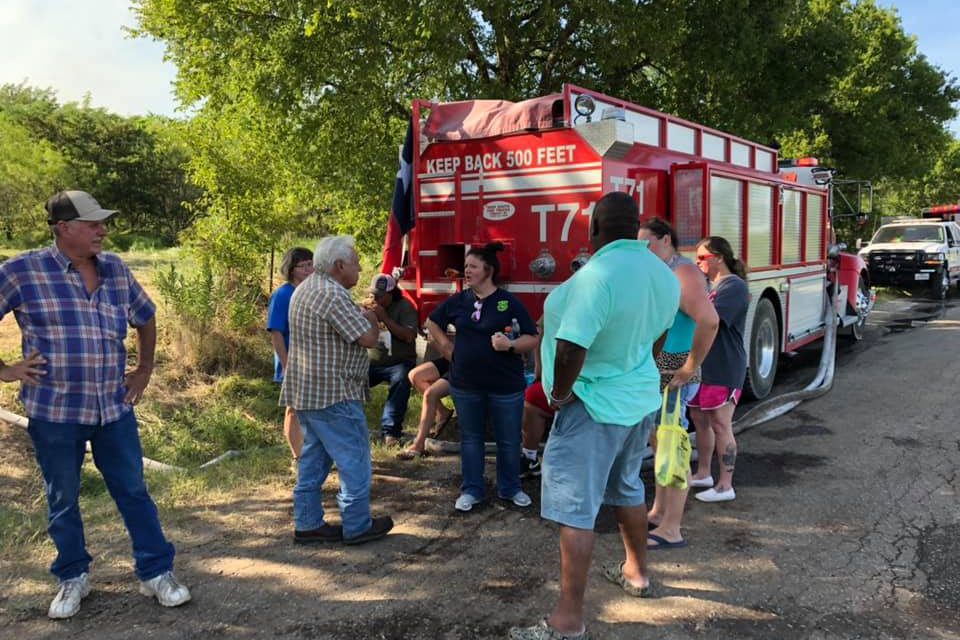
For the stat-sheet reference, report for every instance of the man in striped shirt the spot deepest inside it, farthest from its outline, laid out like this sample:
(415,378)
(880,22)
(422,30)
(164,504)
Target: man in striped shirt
(326,382)
(73,304)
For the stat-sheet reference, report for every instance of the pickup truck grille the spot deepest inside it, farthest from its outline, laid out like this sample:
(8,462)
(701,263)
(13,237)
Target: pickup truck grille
(881,259)
(899,268)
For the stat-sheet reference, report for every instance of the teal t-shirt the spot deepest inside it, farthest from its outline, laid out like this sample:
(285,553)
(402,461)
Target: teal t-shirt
(616,307)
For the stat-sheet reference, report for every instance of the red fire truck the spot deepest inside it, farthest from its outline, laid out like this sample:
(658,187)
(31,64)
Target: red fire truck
(528,175)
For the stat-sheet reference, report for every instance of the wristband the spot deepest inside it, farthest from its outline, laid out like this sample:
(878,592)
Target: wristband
(511,349)
(561,401)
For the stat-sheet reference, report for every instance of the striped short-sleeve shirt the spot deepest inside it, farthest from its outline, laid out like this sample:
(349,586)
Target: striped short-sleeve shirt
(81,335)
(325,365)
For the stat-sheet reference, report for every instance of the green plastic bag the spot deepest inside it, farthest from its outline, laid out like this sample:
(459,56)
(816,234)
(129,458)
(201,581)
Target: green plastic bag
(672,462)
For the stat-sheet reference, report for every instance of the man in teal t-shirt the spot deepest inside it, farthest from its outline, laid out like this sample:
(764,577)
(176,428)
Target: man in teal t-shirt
(600,328)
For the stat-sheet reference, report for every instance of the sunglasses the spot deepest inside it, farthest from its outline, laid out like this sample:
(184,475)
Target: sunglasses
(477,306)
(705,257)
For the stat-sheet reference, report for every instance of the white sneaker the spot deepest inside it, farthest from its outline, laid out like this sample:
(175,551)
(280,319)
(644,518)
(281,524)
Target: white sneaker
(520,499)
(167,589)
(701,482)
(66,604)
(465,502)
(712,495)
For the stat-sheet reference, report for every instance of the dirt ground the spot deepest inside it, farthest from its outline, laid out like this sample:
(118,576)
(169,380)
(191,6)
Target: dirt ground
(846,525)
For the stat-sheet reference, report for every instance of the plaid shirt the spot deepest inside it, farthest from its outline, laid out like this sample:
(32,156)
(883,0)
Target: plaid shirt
(80,335)
(325,365)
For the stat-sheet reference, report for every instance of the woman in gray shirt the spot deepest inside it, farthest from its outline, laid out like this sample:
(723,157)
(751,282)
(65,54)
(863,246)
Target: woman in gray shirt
(723,370)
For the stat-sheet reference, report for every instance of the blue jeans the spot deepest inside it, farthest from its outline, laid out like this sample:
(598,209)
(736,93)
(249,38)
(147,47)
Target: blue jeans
(336,434)
(117,454)
(394,410)
(505,411)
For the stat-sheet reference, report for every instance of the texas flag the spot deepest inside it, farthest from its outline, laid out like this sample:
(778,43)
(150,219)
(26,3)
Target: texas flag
(402,217)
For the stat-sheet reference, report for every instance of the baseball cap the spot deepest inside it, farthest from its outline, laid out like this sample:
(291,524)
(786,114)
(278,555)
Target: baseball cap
(75,205)
(382,283)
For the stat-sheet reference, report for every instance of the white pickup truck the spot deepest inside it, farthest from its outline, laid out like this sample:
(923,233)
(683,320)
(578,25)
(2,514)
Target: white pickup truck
(915,252)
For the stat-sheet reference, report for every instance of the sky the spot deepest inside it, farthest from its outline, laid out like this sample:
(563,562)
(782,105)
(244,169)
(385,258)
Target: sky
(79,46)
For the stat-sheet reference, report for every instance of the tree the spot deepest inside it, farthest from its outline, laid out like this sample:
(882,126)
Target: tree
(324,87)
(136,165)
(941,185)
(30,171)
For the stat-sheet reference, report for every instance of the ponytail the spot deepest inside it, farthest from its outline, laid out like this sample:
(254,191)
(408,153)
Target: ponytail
(738,267)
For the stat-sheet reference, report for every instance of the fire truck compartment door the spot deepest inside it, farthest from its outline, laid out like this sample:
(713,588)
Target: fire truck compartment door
(651,191)
(804,305)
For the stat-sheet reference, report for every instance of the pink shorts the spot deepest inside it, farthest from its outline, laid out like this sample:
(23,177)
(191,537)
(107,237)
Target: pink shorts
(714,396)
(536,396)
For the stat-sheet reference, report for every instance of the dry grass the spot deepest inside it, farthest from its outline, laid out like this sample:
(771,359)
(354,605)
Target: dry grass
(187,417)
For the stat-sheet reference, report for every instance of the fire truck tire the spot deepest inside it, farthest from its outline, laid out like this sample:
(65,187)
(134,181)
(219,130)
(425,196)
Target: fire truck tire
(854,332)
(940,287)
(764,351)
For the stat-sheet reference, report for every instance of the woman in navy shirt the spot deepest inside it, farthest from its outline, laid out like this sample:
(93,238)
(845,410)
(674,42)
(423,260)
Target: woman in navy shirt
(486,372)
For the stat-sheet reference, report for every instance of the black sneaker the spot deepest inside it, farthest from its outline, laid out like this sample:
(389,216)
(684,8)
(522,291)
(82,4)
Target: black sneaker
(529,468)
(326,533)
(381,526)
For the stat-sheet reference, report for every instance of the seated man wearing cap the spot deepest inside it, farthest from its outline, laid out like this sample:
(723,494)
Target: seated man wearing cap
(395,354)
(74,304)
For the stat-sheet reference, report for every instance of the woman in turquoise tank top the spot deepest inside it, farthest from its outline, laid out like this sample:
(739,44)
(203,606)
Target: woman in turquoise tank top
(687,344)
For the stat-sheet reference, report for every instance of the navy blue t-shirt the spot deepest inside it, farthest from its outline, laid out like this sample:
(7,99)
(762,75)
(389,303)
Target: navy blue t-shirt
(476,365)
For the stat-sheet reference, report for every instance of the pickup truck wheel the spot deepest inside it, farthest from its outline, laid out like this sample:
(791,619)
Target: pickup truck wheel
(940,287)
(764,352)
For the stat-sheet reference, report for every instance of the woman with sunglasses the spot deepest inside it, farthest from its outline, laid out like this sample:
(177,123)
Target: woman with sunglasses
(487,383)
(723,370)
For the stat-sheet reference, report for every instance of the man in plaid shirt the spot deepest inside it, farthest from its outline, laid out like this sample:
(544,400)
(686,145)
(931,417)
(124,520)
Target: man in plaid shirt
(73,305)
(326,382)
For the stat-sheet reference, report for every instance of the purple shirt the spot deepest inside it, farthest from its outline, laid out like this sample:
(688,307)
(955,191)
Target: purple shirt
(80,335)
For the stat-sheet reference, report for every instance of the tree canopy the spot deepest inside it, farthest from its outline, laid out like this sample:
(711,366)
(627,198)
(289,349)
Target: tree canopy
(136,165)
(302,103)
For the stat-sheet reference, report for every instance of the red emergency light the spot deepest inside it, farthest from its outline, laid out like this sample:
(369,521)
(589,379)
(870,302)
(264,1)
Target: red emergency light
(941,209)
(806,162)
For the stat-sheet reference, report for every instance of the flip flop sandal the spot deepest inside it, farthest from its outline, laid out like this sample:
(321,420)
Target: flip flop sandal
(411,454)
(614,573)
(663,543)
(543,631)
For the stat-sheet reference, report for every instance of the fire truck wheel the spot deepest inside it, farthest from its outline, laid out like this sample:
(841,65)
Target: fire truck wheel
(764,350)
(854,332)
(940,287)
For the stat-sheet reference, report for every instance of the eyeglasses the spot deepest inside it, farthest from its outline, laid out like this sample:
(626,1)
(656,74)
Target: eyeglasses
(477,306)
(705,257)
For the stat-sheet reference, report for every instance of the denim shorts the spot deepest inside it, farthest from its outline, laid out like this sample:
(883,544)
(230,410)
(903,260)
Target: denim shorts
(588,463)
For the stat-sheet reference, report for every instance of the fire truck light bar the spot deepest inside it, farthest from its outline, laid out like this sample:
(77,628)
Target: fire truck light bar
(806,162)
